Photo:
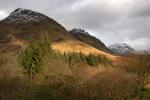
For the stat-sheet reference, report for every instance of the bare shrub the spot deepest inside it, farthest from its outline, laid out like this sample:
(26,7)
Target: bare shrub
(3,60)
(141,69)
(15,89)
(109,85)
(10,67)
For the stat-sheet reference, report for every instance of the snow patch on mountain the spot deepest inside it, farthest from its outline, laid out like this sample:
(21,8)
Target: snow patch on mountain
(121,49)
(23,16)
(78,31)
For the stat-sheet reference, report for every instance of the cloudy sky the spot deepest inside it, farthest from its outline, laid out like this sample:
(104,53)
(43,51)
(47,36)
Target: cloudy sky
(112,21)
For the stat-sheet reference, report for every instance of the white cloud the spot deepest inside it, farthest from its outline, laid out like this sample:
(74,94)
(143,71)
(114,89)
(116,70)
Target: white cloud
(138,44)
(3,14)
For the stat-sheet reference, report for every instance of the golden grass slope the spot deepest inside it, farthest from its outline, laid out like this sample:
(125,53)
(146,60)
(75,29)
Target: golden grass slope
(69,45)
(77,46)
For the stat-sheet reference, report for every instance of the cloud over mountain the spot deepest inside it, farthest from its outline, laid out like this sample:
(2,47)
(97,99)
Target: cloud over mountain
(109,20)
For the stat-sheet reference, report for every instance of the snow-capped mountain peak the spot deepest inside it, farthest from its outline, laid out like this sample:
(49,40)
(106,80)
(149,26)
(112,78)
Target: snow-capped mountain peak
(23,16)
(17,12)
(121,48)
(78,31)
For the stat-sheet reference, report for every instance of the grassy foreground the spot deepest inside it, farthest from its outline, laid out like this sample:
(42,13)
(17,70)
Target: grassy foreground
(40,73)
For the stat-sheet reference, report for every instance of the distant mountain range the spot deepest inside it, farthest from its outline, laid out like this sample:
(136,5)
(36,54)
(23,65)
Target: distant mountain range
(121,49)
(125,49)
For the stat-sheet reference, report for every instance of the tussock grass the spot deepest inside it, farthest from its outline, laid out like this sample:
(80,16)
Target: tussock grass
(3,60)
(68,76)
(56,82)
(111,85)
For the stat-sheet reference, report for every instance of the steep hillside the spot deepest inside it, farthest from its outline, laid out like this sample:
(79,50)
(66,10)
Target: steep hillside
(85,37)
(23,22)
(77,46)
(17,29)
(22,25)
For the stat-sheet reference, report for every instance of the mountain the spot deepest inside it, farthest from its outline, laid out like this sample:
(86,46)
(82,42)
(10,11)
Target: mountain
(23,21)
(22,24)
(121,49)
(85,37)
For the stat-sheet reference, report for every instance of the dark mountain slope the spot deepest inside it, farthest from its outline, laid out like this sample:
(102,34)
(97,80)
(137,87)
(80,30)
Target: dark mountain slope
(85,37)
(22,22)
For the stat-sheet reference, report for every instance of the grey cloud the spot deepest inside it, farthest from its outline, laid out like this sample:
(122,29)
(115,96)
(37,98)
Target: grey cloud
(140,8)
(139,43)
(110,20)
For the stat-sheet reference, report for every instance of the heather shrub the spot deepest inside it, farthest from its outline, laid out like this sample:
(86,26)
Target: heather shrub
(15,89)
(58,91)
(110,85)
(3,60)
(141,69)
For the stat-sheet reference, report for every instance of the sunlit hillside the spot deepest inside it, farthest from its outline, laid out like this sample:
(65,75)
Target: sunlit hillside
(41,60)
(77,46)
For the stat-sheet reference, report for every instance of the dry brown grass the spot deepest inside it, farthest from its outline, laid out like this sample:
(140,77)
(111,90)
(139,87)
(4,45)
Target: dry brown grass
(9,66)
(110,85)
(139,65)
(83,82)
(76,46)
(13,83)
(53,71)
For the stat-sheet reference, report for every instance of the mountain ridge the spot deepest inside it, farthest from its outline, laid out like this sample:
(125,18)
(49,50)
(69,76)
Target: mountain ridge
(18,27)
(28,21)
(85,37)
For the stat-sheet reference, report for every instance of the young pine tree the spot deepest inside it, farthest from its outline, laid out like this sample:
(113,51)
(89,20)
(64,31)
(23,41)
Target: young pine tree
(33,56)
